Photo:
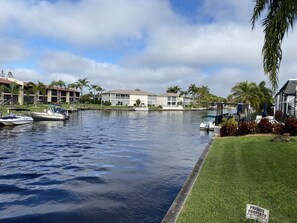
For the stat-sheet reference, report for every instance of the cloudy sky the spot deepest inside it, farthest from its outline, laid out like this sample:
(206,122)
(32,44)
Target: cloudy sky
(129,44)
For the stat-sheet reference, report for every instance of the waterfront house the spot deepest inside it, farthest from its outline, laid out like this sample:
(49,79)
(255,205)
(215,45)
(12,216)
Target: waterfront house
(52,94)
(170,101)
(286,99)
(129,97)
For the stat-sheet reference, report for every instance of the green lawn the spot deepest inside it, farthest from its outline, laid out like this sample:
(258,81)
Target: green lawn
(245,170)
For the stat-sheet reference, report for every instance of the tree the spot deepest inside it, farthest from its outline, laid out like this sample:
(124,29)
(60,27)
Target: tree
(58,83)
(203,93)
(193,90)
(36,89)
(1,93)
(266,95)
(96,88)
(247,92)
(174,89)
(280,17)
(9,74)
(13,89)
(82,83)
(138,101)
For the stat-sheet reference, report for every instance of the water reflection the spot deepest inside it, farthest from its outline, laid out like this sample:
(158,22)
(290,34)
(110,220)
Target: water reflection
(99,166)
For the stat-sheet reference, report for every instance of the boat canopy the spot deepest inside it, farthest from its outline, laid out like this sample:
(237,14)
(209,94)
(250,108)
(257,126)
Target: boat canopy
(209,116)
(18,109)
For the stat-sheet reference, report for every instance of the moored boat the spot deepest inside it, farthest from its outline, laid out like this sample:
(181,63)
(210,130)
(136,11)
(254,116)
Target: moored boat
(53,113)
(207,124)
(141,107)
(16,119)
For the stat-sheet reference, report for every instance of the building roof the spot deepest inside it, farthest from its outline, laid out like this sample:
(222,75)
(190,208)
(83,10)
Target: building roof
(289,87)
(4,81)
(130,92)
(169,95)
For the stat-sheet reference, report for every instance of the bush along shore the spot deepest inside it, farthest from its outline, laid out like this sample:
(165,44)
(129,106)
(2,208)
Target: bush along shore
(232,128)
(245,170)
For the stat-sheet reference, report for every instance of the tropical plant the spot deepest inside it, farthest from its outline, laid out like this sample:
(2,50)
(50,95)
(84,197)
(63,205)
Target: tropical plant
(228,127)
(183,93)
(280,17)
(245,128)
(290,126)
(203,93)
(9,74)
(247,92)
(138,101)
(82,83)
(13,89)
(173,89)
(95,88)
(1,93)
(58,83)
(36,89)
(265,96)
(265,126)
(193,90)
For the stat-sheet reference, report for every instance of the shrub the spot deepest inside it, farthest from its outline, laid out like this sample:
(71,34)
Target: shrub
(229,127)
(290,126)
(278,128)
(245,128)
(107,103)
(278,116)
(265,126)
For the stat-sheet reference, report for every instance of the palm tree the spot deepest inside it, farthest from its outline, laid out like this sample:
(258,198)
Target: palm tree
(174,89)
(247,92)
(13,89)
(193,90)
(266,95)
(203,92)
(96,88)
(82,83)
(36,89)
(1,93)
(73,85)
(280,17)
(58,83)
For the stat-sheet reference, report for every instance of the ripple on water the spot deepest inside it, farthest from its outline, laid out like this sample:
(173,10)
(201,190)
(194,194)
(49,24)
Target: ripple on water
(99,166)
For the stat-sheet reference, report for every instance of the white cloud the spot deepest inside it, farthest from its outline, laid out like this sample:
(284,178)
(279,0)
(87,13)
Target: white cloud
(11,51)
(226,11)
(201,46)
(90,22)
(171,51)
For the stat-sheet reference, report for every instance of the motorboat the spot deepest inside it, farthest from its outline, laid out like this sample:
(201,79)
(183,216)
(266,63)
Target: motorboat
(141,107)
(16,119)
(52,113)
(207,124)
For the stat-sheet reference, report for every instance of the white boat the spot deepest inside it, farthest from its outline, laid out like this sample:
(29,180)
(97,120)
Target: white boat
(206,124)
(53,113)
(141,107)
(16,119)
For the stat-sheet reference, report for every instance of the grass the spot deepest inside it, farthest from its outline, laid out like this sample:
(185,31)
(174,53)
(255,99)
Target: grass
(245,170)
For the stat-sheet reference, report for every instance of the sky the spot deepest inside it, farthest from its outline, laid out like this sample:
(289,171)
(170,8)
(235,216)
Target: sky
(137,44)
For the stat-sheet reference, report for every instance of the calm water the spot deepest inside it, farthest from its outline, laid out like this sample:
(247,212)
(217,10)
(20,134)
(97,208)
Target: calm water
(99,166)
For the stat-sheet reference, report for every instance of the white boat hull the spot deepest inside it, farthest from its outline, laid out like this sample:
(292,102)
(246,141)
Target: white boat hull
(45,116)
(16,120)
(207,126)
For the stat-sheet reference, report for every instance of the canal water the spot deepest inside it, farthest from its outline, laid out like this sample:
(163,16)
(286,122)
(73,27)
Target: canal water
(99,166)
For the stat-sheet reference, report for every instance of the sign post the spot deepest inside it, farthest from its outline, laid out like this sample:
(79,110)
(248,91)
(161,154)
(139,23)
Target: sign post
(257,213)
